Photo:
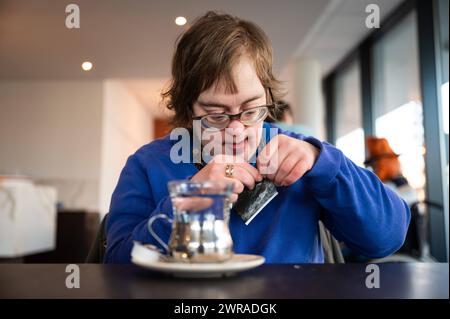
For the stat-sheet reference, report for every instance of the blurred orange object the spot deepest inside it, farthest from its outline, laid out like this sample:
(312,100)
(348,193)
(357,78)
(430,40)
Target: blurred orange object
(382,158)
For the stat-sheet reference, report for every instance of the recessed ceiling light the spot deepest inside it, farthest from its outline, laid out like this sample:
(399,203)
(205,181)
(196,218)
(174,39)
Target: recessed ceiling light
(180,20)
(86,65)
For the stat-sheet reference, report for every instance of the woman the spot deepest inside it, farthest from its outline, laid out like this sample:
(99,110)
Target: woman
(222,77)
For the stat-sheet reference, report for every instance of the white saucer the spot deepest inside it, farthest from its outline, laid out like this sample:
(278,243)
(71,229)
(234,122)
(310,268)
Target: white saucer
(238,263)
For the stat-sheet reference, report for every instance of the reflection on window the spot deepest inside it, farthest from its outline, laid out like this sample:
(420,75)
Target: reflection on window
(444,92)
(444,102)
(403,128)
(352,145)
(397,99)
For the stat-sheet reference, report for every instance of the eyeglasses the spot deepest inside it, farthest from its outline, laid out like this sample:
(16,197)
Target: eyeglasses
(248,117)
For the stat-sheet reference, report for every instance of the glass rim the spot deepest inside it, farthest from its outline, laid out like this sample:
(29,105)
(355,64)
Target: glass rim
(201,183)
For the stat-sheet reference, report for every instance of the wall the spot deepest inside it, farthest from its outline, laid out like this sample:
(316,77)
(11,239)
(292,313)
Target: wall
(74,135)
(302,80)
(126,126)
(51,130)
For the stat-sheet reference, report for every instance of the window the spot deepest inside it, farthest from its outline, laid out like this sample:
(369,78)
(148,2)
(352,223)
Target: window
(443,48)
(442,29)
(349,131)
(443,56)
(398,65)
(397,105)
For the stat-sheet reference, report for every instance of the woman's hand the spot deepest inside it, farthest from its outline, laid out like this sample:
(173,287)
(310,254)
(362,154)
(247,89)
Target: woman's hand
(244,174)
(285,159)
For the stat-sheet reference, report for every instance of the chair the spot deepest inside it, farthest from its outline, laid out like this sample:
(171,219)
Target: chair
(331,248)
(98,247)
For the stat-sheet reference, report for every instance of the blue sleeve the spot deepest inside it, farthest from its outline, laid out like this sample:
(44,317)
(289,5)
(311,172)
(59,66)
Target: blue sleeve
(358,209)
(131,207)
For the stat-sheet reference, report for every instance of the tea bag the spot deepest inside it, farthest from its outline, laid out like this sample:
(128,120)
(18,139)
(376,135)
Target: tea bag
(251,202)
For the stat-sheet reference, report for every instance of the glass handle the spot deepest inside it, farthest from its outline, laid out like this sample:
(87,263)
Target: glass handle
(152,232)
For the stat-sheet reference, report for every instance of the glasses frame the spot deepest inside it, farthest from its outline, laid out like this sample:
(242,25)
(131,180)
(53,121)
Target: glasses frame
(231,117)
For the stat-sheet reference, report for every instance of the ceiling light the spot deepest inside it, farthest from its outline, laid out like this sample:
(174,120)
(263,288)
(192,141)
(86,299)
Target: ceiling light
(86,65)
(180,20)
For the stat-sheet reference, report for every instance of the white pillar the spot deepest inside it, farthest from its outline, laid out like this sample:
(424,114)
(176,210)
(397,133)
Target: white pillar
(308,104)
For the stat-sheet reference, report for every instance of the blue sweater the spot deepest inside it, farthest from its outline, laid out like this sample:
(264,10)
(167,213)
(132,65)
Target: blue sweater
(351,201)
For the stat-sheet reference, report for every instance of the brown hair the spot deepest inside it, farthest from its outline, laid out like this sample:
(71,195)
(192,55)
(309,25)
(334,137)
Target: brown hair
(382,158)
(279,113)
(205,55)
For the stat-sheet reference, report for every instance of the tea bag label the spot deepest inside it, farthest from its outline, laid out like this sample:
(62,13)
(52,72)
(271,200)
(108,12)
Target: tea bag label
(251,202)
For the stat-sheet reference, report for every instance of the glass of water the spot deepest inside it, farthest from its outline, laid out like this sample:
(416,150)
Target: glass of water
(200,231)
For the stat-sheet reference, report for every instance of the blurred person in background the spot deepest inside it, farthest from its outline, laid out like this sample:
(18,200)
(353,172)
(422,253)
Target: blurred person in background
(284,119)
(384,162)
(386,165)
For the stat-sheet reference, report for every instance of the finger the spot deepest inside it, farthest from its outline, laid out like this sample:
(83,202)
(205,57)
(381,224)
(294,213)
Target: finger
(267,152)
(225,159)
(286,167)
(269,168)
(244,176)
(233,197)
(296,173)
(238,186)
(237,161)
(275,161)
(252,171)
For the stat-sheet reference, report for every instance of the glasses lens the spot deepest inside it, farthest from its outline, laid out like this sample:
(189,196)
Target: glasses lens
(218,121)
(254,116)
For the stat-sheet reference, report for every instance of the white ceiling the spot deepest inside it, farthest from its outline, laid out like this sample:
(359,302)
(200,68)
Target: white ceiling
(339,29)
(128,39)
(134,39)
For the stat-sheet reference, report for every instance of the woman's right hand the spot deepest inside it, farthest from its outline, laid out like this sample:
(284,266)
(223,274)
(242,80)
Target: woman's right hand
(244,174)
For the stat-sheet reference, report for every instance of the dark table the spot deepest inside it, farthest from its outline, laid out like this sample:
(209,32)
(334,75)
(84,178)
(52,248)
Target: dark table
(403,280)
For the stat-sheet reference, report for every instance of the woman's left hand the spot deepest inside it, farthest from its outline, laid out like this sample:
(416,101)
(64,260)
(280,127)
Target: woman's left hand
(285,159)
